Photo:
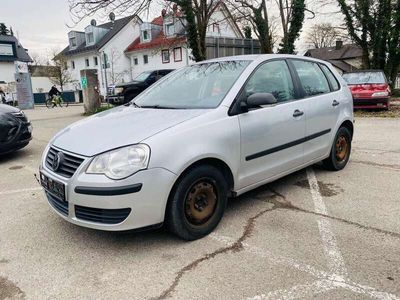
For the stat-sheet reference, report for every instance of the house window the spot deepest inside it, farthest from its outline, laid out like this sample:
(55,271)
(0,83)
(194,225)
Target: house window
(95,60)
(178,54)
(165,56)
(169,29)
(87,62)
(90,38)
(216,27)
(72,42)
(73,64)
(145,35)
(145,59)
(135,61)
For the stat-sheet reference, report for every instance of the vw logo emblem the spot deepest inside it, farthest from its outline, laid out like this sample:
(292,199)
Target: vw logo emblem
(58,159)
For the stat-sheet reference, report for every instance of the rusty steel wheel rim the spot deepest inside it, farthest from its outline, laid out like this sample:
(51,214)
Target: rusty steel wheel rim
(342,147)
(201,202)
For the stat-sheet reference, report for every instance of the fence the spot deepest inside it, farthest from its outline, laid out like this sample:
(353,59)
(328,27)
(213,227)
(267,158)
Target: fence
(220,47)
(40,98)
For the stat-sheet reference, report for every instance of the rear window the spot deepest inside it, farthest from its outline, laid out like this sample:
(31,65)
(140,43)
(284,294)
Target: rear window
(332,79)
(364,77)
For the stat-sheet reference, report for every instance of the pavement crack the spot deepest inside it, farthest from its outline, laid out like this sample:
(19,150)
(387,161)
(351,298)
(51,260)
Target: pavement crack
(235,247)
(370,163)
(284,204)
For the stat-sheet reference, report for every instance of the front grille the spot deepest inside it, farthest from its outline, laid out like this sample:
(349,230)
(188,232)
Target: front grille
(99,215)
(59,205)
(67,166)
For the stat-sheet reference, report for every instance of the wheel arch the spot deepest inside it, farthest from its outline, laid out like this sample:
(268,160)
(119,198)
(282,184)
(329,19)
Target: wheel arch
(349,125)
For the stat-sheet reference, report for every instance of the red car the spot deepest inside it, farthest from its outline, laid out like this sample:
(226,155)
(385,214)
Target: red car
(370,88)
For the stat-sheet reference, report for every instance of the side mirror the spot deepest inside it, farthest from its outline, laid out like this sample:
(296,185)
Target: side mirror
(259,99)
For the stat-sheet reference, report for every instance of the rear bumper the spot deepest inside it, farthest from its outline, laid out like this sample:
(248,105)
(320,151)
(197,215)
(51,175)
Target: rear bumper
(371,103)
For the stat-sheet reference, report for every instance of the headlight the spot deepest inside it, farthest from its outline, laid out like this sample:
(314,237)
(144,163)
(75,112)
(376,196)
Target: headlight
(380,94)
(118,90)
(121,163)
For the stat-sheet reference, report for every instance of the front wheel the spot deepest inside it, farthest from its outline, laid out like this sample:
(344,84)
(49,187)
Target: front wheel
(340,151)
(197,203)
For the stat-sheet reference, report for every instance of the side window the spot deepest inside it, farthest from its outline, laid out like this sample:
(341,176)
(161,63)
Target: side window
(311,77)
(274,78)
(332,79)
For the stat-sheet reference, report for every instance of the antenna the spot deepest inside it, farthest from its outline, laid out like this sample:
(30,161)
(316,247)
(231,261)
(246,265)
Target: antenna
(112,16)
(93,22)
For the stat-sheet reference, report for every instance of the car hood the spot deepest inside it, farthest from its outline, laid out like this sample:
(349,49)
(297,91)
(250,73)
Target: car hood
(117,127)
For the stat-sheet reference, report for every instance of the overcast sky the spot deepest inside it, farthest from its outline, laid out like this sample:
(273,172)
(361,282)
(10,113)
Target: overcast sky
(41,25)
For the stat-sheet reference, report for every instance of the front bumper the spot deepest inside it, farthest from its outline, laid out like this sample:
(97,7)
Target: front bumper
(116,100)
(20,140)
(371,103)
(98,202)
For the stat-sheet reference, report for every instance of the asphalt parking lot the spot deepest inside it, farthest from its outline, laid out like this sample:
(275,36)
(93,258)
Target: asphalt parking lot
(313,234)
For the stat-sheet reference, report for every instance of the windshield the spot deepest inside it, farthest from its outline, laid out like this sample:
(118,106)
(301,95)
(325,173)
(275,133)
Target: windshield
(364,77)
(143,76)
(198,86)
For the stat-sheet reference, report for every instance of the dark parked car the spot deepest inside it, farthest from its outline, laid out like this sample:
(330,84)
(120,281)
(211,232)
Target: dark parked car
(125,92)
(15,129)
(370,88)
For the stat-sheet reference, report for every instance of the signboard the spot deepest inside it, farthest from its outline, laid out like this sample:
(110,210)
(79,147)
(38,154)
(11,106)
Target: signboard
(84,82)
(24,90)
(21,67)
(6,50)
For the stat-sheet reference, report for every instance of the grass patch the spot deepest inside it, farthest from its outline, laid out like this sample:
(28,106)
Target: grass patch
(103,107)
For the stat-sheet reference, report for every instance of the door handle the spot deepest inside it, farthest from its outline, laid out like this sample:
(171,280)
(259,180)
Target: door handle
(335,103)
(297,113)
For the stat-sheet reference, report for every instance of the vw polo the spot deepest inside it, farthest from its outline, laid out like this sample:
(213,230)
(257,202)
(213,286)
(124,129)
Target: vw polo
(209,131)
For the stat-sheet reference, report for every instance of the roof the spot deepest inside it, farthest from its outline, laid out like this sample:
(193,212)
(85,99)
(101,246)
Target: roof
(42,71)
(159,41)
(113,28)
(21,52)
(331,53)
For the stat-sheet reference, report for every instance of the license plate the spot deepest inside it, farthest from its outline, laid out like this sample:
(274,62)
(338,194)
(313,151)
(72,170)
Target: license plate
(54,187)
(379,104)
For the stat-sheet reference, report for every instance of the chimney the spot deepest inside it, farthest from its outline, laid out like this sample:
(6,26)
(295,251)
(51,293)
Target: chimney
(339,44)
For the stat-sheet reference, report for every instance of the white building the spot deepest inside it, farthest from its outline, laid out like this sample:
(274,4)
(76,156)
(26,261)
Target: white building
(101,47)
(10,52)
(162,43)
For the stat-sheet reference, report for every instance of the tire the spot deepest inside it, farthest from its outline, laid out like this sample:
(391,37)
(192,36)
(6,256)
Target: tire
(340,151)
(197,203)
(49,103)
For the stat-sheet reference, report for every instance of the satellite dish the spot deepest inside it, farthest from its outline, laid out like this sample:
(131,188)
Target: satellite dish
(93,22)
(112,16)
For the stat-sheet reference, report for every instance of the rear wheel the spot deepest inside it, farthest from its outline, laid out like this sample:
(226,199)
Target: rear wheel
(197,203)
(49,103)
(340,151)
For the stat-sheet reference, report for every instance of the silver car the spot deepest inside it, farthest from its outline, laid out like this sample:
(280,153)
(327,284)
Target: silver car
(210,131)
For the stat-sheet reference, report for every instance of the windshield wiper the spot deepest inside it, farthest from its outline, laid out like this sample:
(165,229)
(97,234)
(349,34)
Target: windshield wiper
(159,107)
(134,104)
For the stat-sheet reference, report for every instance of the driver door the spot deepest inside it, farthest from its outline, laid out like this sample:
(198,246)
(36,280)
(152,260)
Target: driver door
(272,135)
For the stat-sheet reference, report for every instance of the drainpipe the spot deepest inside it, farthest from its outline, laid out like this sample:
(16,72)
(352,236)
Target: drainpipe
(105,72)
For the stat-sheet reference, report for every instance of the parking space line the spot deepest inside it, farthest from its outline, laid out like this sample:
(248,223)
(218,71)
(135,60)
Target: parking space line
(335,259)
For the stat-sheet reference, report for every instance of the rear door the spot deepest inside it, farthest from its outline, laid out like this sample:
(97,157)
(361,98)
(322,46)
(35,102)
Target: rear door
(271,135)
(323,106)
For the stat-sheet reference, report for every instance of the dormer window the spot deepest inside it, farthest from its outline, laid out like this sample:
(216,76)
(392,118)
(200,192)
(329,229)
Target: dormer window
(169,29)
(90,38)
(72,42)
(145,35)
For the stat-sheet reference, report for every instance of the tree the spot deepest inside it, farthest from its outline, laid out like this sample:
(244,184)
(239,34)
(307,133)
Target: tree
(60,75)
(4,30)
(247,32)
(374,25)
(324,35)
(258,13)
(114,76)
